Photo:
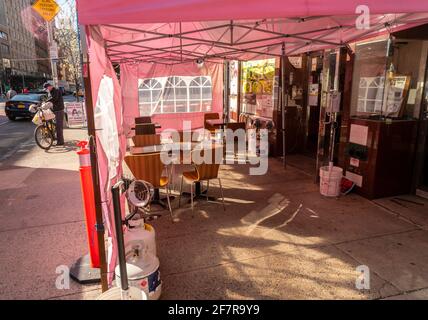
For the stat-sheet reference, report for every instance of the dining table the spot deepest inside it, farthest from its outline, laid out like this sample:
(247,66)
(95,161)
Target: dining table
(157,126)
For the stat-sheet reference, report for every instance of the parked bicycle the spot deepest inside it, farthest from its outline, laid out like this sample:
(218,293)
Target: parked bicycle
(44,118)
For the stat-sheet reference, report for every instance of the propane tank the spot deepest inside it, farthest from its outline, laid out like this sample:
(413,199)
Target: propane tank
(142,268)
(140,233)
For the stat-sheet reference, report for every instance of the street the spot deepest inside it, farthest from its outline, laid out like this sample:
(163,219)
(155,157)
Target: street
(17,134)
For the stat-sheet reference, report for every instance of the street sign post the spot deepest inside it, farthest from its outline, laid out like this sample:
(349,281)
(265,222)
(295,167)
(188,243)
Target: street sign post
(47,9)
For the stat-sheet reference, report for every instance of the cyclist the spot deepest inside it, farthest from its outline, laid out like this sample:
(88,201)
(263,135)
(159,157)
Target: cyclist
(55,97)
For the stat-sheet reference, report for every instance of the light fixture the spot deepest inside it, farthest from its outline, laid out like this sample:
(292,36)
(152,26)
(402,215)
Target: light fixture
(200,62)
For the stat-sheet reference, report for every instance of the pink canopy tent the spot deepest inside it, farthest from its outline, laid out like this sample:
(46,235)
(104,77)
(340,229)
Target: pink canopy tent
(160,38)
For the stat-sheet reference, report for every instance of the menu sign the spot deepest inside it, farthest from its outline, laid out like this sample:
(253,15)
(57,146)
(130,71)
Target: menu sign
(75,114)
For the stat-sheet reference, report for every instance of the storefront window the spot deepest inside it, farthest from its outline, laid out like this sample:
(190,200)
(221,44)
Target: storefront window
(369,78)
(258,81)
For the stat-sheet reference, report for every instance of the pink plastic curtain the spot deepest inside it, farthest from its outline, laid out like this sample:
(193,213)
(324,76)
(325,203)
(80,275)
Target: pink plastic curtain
(132,72)
(100,70)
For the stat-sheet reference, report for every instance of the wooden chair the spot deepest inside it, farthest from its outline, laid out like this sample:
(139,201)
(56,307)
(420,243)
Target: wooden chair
(149,167)
(210,116)
(143,120)
(146,140)
(236,125)
(146,128)
(202,172)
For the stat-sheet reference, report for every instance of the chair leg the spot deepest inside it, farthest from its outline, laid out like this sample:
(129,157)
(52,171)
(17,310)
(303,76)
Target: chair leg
(208,186)
(222,195)
(181,190)
(169,202)
(172,177)
(191,196)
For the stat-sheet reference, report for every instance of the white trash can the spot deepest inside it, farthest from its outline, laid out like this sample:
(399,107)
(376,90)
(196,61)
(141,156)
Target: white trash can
(330,181)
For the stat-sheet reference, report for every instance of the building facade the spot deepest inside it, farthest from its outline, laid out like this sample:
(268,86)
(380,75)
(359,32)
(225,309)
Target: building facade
(24,49)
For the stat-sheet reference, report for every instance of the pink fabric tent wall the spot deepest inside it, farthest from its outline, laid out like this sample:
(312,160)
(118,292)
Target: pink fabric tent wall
(131,72)
(101,66)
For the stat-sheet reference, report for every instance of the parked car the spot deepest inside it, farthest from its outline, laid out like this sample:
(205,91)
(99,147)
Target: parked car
(19,105)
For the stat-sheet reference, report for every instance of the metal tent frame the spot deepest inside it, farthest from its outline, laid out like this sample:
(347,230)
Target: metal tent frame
(229,40)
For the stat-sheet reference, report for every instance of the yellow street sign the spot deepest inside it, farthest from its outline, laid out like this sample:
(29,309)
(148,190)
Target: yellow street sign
(47,9)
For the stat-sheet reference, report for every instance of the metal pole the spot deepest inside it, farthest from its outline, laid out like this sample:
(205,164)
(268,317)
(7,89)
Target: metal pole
(226,86)
(283,102)
(115,190)
(53,62)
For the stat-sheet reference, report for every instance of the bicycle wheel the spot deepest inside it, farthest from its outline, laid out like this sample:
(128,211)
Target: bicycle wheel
(43,137)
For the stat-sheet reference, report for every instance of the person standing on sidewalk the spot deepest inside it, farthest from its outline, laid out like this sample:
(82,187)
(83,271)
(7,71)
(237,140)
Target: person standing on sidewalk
(10,93)
(55,97)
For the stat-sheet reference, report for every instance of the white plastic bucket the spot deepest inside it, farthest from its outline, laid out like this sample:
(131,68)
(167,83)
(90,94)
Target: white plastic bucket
(330,180)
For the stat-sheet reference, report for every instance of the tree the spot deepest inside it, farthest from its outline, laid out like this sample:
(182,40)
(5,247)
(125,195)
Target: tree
(67,37)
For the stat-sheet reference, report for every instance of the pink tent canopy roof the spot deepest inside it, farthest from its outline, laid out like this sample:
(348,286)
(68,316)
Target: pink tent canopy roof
(176,31)
(161,11)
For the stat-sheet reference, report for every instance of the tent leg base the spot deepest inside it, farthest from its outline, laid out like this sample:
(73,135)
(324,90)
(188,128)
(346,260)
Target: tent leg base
(82,272)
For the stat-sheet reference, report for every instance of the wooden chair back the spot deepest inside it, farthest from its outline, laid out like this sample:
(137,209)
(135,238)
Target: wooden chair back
(146,128)
(143,120)
(147,167)
(146,140)
(210,116)
(207,171)
(236,125)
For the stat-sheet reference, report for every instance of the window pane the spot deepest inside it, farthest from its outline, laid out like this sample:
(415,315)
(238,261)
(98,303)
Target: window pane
(168,94)
(206,93)
(195,106)
(145,109)
(145,96)
(194,93)
(181,106)
(181,93)
(168,107)
(176,95)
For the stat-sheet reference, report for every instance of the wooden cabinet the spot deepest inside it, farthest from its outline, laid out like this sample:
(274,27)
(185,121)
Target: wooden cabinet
(385,164)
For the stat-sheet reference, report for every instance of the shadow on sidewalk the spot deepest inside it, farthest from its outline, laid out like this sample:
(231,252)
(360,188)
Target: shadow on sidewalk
(67,147)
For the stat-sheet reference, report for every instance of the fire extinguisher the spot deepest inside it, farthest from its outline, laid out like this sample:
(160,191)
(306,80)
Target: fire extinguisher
(88,201)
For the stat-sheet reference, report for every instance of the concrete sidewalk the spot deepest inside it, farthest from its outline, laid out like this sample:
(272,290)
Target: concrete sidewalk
(277,239)
(41,220)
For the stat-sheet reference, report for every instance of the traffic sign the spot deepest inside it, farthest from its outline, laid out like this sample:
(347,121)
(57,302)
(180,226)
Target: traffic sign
(47,9)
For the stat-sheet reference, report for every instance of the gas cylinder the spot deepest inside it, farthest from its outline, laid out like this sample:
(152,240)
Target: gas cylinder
(142,268)
(140,233)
